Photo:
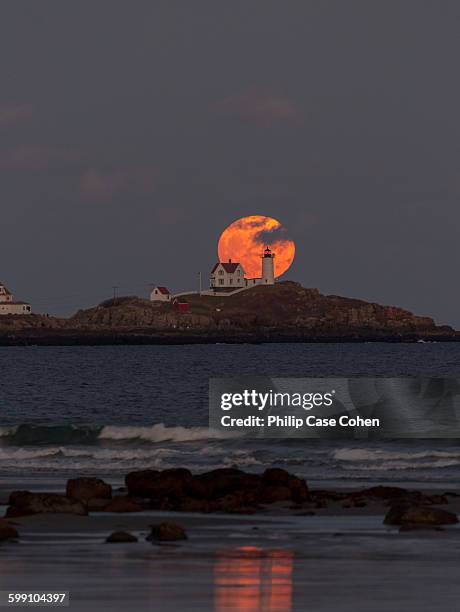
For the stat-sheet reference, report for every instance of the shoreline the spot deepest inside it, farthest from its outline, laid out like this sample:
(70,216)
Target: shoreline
(279,559)
(340,507)
(116,338)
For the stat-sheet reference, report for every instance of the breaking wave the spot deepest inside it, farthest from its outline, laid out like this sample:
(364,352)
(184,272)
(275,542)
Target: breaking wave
(366,455)
(97,459)
(119,449)
(80,434)
(159,433)
(381,461)
(404,465)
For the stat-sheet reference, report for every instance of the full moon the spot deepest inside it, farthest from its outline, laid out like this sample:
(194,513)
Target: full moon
(245,239)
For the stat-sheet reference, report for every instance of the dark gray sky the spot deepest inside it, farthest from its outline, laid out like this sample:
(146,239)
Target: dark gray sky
(132,133)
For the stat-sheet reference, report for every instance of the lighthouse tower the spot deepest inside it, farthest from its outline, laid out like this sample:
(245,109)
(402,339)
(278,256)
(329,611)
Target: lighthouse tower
(268,268)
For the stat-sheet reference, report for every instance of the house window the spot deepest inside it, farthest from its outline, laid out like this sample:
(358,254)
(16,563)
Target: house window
(231,281)
(238,272)
(221,281)
(221,272)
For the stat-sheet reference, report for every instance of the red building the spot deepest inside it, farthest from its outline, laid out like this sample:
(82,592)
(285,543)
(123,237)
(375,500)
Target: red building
(179,305)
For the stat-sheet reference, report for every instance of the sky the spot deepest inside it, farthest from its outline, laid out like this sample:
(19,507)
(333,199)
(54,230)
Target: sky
(132,133)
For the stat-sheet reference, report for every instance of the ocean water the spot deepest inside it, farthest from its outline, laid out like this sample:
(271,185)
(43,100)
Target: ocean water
(108,410)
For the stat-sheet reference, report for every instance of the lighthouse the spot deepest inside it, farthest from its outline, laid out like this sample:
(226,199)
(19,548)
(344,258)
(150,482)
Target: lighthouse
(268,268)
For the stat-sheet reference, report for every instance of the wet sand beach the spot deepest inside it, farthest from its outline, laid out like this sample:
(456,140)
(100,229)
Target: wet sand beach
(338,559)
(295,563)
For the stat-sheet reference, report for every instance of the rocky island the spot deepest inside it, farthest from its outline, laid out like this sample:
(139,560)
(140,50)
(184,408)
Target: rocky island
(285,312)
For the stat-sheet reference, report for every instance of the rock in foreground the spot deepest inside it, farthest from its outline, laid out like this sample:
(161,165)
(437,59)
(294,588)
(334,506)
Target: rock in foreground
(84,489)
(122,504)
(23,503)
(121,537)
(226,489)
(419,515)
(7,531)
(167,532)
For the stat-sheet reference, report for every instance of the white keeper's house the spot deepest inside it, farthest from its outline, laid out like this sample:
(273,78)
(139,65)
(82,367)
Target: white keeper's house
(160,294)
(227,275)
(9,306)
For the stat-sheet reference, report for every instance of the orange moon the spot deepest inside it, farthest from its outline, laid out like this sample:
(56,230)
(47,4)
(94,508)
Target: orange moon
(245,239)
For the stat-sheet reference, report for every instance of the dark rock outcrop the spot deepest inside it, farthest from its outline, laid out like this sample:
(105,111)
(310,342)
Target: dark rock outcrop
(23,503)
(97,505)
(276,479)
(286,305)
(122,504)
(217,483)
(141,483)
(7,531)
(224,489)
(171,485)
(285,311)
(167,532)
(380,494)
(419,515)
(84,489)
(399,495)
(121,537)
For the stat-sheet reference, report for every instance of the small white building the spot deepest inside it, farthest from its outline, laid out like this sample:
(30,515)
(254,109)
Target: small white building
(160,294)
(8,305)
(225,276)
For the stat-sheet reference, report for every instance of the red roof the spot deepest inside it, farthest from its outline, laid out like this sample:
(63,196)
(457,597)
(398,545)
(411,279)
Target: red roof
(228,267)
(163,290)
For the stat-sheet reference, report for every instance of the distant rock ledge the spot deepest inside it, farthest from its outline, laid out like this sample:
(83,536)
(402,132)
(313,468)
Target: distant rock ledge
(285,312)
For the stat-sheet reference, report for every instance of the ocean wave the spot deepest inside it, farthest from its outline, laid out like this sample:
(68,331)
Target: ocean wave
(7,431)
(24,435)
(405,465)
(26,454)
(362,454)
(241,461)
(97,454)
(160,433)
(102,460)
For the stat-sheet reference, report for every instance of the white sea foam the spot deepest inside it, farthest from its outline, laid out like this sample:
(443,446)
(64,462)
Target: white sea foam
(241,461)
(406,465)
(362,454)
(160,433)
(16,454)
(98,454)
(7,431)
(92,459)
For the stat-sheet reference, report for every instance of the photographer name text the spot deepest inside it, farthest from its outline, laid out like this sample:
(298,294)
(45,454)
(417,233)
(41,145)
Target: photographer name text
(296,422)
